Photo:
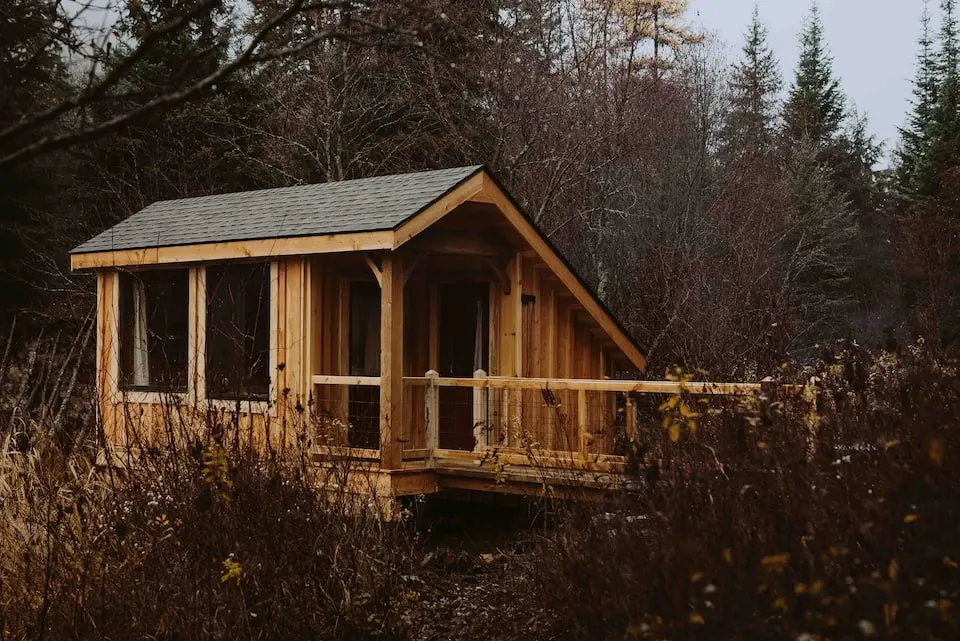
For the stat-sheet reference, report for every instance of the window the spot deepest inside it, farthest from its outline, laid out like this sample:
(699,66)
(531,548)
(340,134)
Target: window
(154,320)
(238,332)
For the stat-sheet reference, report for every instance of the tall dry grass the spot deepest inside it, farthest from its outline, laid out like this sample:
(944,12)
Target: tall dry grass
(769,521)
(761,521)
(187,535)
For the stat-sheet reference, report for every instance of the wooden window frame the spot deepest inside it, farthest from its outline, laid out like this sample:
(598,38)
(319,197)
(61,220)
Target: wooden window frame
(196,352)
(152,397)
(199,354)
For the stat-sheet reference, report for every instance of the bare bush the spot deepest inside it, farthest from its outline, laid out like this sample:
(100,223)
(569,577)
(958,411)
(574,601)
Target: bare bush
(772,522)
(194,536)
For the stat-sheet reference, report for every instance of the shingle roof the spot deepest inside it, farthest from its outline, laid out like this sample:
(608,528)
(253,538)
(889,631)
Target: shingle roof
(368,204)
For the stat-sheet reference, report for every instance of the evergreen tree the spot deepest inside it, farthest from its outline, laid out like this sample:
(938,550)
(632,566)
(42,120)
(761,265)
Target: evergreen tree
(820,231)
(913,157)
(33,78)
(187,151)
(815,107)
(749,125)
(945,124)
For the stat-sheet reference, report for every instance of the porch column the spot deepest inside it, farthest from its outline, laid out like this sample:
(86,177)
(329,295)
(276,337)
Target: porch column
(391,362)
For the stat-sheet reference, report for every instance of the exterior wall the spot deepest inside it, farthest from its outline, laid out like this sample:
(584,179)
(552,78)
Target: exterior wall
(554,341)
(545,337)
(127,417)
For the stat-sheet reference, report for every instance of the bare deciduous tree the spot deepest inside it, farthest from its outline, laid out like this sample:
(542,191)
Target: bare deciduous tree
(83,32)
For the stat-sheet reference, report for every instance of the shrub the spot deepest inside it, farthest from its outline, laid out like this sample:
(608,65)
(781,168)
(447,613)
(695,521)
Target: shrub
(189,540)
(768,521)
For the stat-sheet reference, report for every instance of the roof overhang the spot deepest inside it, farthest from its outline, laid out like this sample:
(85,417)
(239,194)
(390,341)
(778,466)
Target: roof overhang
(386,239)
(480,186)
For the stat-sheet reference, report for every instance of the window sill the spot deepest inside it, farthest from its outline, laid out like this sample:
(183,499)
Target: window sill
(246,407)
(152,397)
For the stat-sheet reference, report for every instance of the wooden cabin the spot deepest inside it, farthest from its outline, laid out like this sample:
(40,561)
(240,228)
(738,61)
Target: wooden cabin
(419,324)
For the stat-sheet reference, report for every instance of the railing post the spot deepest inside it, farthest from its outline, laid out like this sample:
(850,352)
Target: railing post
(631,423)
(769,388)
(480,431)
(582,421)
(432,411)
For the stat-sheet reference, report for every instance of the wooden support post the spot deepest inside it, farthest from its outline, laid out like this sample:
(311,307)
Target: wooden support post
(391,363)
(769,388)
(550,361)
(480,431)
(582,421)
(631,423)
(432,411)
(518,328)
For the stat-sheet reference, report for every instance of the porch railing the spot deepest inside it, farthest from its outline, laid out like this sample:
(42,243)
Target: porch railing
(556,417)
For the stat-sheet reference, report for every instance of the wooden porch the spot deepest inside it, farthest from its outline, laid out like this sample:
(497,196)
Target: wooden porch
(531,436)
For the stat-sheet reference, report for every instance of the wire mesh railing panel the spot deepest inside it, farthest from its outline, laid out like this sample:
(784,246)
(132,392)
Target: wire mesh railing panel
(347,415)
(472,418)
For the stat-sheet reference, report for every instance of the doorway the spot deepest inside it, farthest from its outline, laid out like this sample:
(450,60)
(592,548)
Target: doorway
(463,347)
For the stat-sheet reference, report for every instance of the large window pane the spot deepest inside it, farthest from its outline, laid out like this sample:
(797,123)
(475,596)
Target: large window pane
(154,325)
(238,332)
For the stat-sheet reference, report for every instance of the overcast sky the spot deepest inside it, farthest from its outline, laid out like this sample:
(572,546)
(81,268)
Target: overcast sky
(874,46)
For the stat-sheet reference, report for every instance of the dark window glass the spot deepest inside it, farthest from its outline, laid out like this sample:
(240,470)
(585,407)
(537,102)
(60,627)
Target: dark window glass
(364,329)
(154,325)
(364,401)
(238,332)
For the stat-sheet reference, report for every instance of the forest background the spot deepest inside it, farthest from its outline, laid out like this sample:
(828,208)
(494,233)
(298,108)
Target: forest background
(729,211)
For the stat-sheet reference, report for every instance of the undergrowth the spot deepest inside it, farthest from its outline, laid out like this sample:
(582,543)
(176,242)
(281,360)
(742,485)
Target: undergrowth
(190,539)
(761,518)
(764,519)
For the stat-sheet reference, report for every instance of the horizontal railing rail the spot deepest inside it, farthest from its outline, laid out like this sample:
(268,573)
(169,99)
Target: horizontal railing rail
(501,402)
(697,388)
(362,381)
(561,419)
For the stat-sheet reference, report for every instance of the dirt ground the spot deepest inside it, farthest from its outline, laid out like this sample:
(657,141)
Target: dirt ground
(475,575)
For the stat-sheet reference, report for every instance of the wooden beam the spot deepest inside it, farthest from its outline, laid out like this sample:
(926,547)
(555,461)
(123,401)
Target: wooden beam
(374,267)
(391,363)
(480,424)
(569,279)
(432,411)
(412,263)
(696,388)
(517,301)
(363,381)
(631,418)
(207,252)
(582,421)
(500,272)
(280,336)
(461,244)
(438,210)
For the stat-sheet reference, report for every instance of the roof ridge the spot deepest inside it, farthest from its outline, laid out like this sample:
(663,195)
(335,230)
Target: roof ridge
(374,203)
(349,181)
